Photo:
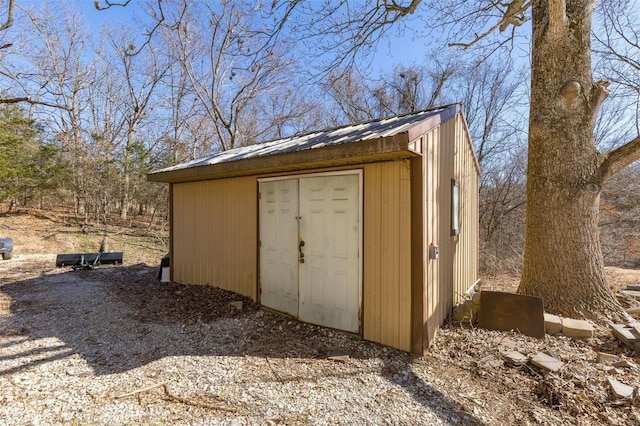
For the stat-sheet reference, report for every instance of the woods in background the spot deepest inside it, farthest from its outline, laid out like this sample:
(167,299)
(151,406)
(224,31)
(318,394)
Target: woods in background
(104,106)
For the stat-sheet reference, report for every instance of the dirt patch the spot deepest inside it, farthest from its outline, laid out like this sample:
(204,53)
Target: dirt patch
(49,235)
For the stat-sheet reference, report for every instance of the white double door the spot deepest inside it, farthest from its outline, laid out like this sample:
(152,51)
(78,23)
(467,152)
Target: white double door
(310,247)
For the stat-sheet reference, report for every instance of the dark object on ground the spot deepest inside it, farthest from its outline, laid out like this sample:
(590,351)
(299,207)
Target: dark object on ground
(6,248)
(88,260)
(508,311)
(164,263)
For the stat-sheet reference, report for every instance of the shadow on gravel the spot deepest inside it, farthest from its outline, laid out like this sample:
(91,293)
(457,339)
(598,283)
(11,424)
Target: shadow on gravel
(121,318)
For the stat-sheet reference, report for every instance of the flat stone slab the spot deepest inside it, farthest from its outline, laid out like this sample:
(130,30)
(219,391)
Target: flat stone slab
(619,389)
(552,323)
(623,333)
(547,362)
(606,359)
(577,328)
(516,358)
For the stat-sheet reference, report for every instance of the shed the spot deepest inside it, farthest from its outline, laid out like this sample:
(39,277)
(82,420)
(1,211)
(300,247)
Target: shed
(339,227)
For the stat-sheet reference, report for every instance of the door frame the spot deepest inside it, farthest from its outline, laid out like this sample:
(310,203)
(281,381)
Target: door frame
(359,173)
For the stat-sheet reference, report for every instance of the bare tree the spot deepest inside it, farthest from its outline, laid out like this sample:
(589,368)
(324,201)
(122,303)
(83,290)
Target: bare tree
(222,51)
(51,66)
(141,77)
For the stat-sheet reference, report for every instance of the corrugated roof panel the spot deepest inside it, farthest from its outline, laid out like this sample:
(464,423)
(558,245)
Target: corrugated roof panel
(352,133)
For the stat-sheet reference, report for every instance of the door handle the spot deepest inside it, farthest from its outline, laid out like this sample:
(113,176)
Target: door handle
(300,253)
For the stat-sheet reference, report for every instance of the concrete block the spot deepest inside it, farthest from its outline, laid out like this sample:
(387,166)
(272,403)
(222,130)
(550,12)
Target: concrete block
(552,323)
(623,333)
(620,390)
(547,362)
(577,328)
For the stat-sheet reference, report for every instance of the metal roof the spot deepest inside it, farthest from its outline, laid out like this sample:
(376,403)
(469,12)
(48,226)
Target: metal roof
(353,133)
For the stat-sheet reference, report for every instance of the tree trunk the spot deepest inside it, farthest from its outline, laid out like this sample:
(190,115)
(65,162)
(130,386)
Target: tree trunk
(126,171)
(563,260)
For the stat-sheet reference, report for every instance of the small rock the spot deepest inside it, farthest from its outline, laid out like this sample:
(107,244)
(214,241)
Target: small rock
(620,390)
(339,358)
(547,362)
(236,305)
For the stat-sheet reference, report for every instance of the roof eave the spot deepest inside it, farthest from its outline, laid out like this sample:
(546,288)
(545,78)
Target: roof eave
(380,149)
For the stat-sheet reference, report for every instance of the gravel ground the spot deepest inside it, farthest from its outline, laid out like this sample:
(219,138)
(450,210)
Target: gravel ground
(113,346)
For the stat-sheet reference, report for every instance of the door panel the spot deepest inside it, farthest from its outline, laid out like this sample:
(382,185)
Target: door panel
(329,277)
(279,245)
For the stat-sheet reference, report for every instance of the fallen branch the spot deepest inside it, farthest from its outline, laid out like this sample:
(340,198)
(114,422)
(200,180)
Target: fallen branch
(273,371)
(189,401)
(169,394)
(145,389)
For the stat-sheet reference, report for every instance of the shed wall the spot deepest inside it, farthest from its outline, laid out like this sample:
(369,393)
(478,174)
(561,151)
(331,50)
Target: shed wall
(214,229)
(387,254)
(448,154)
(215,242)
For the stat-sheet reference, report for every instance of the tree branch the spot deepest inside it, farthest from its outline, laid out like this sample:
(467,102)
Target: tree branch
(33,102)
(9,21)
(514,15)
(110,4)
(619,158)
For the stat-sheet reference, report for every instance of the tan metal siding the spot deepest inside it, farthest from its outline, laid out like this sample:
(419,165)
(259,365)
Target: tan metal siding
(434,286)
(466,257)
(214,234)
(447,154)
(387,254)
